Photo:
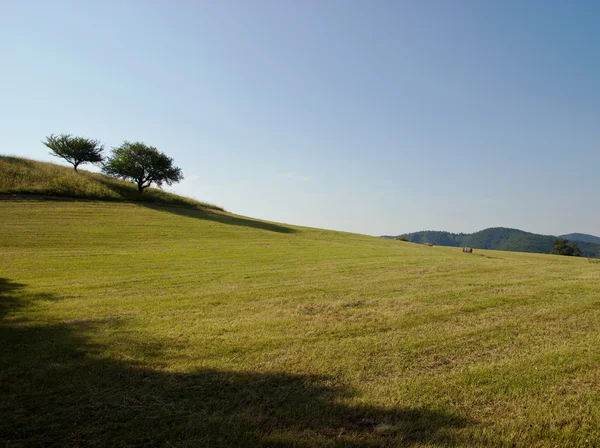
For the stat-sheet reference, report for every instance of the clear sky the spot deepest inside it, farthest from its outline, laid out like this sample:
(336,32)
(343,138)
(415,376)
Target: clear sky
(378,117)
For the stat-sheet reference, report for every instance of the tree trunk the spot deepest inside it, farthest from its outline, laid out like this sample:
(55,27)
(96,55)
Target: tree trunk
(75,167)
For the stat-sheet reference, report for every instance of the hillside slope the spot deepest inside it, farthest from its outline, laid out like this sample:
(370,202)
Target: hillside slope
(498,238)
(144,324)
(29,177)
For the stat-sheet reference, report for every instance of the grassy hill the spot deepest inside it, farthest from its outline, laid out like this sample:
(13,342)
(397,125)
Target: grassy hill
(498,238)
(29,177)
(137,324)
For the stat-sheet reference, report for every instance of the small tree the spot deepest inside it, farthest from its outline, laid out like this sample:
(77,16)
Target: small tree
(563,247)
(144,165)
(75,150)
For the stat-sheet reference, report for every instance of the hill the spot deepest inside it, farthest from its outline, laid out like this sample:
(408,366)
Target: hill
(498,238)
(582,237)
(29,177)
(143,324)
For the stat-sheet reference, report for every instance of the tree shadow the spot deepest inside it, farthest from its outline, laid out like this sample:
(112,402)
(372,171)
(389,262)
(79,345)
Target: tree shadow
(222,218)
(13,297)
(58,388)
(9,301)
(147,200)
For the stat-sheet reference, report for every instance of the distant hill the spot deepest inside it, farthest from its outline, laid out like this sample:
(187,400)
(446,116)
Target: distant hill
(498,238)
(582,237)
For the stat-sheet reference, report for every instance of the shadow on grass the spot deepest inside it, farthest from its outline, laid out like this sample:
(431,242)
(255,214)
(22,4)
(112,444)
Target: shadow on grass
(147,199)
(488,256)
(219,217)
(57,388)
(9,301)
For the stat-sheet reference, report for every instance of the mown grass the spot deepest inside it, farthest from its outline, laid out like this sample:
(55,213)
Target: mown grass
(23,176)
(129,325)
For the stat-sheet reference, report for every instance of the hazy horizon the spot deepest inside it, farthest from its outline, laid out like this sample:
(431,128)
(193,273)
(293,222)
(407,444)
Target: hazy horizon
(380,118)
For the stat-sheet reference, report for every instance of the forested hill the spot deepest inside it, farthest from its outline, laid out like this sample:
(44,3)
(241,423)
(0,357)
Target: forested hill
(581,237)
(498,238)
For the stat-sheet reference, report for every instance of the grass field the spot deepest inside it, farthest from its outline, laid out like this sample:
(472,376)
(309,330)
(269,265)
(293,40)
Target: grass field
(128,324)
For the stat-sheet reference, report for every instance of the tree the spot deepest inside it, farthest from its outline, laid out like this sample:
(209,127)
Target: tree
(144,165)
(563,247)
(75,150)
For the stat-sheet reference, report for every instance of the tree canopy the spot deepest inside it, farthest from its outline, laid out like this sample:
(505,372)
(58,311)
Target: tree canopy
(562,246)
(75,150)
(142,164)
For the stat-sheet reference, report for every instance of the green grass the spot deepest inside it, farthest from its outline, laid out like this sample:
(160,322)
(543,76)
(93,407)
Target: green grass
(29,177)
(127,324)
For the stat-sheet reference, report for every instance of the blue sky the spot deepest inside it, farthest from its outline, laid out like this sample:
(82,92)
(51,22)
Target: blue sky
(366,116)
